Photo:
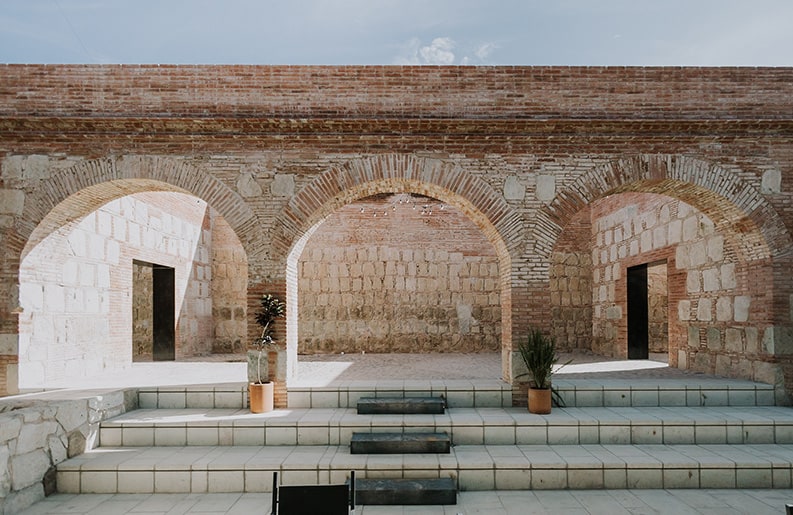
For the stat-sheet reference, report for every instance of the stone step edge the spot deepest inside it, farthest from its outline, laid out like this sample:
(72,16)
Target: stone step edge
(400,443)
(581,394)
(572,426)
(402,492)
(401,406)
(472,467)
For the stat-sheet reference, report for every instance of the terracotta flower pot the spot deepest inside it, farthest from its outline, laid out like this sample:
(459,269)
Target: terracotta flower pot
(540,401)
(261,397)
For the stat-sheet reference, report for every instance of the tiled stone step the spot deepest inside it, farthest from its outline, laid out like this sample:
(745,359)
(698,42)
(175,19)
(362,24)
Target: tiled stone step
(401,406)
(491,426)
(468,394)
(396,492)
(694,392)
(400,443)
(457,393)
(497,467)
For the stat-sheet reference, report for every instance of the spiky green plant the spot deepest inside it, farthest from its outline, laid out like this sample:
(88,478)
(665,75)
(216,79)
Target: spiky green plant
(539,355)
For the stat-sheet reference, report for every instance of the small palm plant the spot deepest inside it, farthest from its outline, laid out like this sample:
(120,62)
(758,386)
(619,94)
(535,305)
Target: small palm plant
(538,353)
(271,308)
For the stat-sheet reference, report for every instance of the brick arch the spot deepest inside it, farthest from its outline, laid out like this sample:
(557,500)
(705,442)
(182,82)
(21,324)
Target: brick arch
(730,199)
(86,186)
(398,174)
(394,173)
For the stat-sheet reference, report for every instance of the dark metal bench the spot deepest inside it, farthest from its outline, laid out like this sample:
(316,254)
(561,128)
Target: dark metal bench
(313,499)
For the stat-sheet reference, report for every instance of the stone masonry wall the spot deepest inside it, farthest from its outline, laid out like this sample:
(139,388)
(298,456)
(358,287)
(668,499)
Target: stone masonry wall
(76,286)
(36,435)
(657,308)
(399,273)
(229,289)
(712,322)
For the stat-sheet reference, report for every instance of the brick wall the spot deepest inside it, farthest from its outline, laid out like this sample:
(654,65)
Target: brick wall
(520,151)
(399,273)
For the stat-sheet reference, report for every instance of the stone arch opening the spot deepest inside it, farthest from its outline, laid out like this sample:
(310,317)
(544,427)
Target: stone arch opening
(718,237)
(399,175)
(76,275)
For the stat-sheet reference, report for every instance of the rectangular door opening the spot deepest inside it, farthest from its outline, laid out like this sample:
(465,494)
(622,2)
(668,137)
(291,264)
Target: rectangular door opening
(153,317)
(648,312)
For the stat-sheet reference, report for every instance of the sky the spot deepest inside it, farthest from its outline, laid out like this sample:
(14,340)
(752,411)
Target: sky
(385,32)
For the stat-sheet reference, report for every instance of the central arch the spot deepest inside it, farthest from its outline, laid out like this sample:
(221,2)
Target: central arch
(397,174)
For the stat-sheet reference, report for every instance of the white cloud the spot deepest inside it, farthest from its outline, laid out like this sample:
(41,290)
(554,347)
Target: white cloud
(484,50)
(437,52)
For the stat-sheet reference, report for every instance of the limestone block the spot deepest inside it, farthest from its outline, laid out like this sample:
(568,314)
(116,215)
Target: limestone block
(684,310)
(693,337)
(771,182)
(714,339)
(741,306)
(12,202)
(690,228)
(716,248)
(704,307)
(682,359)
(546,187)
(659,237)
(710,279)
(613,312)
(698,254)
(28,469)
(10,426)
(248,187)
(728,280)
(283,185)
(514,189)
(752,341)
(724,309)
(675,231)
(681,257)
(733,340)
(693,282)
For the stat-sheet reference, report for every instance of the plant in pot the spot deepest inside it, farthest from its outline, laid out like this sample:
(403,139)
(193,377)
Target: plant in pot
(260,389)
(538,353)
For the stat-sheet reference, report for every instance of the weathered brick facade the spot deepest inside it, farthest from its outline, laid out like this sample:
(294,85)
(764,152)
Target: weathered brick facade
(571,174)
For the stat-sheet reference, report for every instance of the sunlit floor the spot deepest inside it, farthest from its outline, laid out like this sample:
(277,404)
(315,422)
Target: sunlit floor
(321,370)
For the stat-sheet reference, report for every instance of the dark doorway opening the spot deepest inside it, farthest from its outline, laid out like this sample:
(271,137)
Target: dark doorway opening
(153,317)
(638,319)
(648,308)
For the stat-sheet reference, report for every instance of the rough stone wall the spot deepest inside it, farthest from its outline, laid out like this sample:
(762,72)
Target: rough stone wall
(571,286)
(142,312)
(399,273)
(657,308)
(37,435)
(712,323)
(229,289)
(76,286)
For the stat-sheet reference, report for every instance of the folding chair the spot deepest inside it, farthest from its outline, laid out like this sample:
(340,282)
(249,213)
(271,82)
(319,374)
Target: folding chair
(313,499)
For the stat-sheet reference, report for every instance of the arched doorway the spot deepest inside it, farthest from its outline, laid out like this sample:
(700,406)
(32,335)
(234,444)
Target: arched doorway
(412,177)
(88,282)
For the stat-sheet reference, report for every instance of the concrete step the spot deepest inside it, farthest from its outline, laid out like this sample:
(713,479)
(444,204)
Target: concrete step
(401,406)
(400,443)
(465,426)
(497,467)
(692,392)
(396,492)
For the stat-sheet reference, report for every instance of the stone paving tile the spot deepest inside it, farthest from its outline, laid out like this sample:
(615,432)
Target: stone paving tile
(592,502)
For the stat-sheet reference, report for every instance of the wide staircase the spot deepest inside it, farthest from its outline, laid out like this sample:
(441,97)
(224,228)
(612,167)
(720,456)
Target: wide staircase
(406,439)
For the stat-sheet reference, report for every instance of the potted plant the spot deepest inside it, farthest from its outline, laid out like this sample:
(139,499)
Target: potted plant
(538,353)
(260,389)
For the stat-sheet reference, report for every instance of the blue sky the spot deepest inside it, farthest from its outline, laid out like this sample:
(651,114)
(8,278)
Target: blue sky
(484,32)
